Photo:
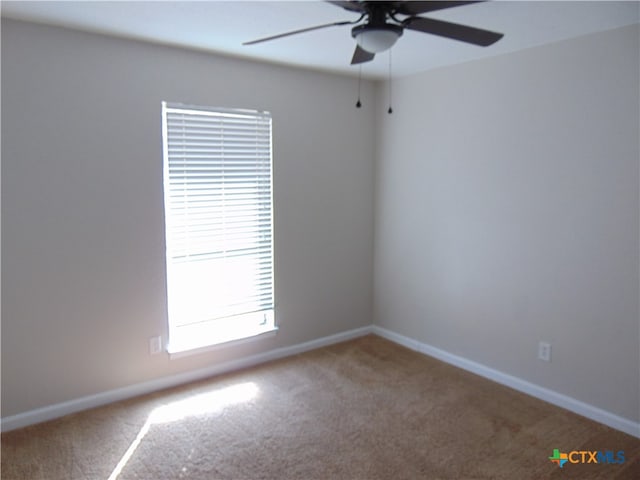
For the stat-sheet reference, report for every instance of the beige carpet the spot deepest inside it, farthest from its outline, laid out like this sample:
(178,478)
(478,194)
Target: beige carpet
(364,409)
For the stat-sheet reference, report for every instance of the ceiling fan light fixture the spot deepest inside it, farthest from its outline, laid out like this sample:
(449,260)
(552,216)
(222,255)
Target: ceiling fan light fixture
(376,39)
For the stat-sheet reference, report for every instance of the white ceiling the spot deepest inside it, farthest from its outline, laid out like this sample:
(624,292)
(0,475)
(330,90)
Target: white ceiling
(222,26)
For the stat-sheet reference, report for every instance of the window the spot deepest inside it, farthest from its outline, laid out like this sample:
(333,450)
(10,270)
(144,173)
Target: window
(218,222)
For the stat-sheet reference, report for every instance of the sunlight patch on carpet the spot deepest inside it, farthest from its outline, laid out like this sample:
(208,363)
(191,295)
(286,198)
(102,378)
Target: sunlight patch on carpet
(200,404)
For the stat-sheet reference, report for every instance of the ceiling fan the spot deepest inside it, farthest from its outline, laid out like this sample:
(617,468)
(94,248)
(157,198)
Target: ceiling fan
(384,23)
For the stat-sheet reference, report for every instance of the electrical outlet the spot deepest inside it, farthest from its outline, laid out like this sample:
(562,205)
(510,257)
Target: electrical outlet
(544,351)
(155,345)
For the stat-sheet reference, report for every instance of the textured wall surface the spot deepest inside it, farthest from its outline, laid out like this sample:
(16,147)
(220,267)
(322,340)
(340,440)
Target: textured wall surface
(82,206)
(507,209)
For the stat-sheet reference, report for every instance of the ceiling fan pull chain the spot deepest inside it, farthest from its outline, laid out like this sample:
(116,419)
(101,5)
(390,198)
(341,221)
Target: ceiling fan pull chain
(359,103)
(390,111)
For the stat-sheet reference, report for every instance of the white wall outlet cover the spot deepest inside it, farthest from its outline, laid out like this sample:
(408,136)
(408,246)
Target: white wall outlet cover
(544,351)
(155,345)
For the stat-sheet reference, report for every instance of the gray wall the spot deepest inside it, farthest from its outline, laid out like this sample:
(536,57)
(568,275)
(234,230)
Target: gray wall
(507,212)
(82,208)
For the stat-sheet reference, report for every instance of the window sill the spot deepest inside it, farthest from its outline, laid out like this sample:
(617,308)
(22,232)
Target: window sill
(194,344)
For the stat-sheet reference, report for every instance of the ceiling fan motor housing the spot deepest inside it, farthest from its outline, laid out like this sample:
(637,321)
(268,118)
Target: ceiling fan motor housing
(376,35)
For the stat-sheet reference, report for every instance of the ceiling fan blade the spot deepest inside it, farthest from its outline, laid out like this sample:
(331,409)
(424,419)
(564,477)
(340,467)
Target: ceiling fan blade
(455,31)
(415,8)
(361,56)
(295,32)
(352,6)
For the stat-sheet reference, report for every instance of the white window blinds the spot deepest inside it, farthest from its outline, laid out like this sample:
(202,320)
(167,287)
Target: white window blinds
(218,215)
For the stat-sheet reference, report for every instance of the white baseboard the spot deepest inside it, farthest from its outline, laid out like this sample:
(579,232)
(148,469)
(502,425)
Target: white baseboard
(576,406)
(65,408)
